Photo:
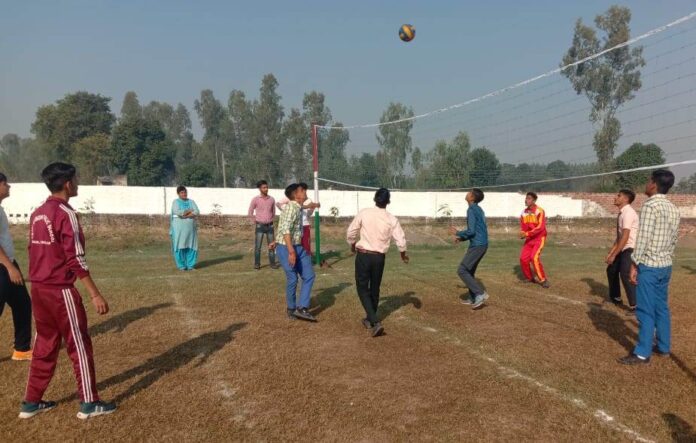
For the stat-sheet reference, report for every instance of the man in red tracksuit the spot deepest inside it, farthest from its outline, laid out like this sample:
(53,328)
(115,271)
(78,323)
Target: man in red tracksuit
(56,260)
(533,231)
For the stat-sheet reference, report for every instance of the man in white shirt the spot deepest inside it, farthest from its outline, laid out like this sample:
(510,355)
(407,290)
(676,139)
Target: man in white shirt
(619,257)
(12,288)
(376,227)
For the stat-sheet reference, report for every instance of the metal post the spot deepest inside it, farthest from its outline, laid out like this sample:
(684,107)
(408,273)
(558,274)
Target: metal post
(315,164)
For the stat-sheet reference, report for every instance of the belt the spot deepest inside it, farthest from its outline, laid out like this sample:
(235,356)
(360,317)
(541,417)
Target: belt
(264,224)
(365,251)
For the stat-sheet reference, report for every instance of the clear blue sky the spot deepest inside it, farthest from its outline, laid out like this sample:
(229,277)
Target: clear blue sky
(170,50)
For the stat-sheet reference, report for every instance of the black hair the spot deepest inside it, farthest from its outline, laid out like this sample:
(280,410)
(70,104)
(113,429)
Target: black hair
(180,188)
(303,185)
(478,195)
(3,178)
(290,190)
(533,195)
(628,193)
(261,183)
(382,197)
(56,175)
(664,180)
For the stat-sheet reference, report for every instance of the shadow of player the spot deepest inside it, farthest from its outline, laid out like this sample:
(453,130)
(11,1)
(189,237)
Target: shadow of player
(613,325)
(118,323)
(200,348)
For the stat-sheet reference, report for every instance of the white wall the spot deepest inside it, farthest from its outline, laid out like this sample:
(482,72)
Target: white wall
(25,197)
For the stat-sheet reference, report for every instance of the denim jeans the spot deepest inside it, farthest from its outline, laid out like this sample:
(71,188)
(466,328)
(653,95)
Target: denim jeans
(652,310)
(303,268)
(263,230)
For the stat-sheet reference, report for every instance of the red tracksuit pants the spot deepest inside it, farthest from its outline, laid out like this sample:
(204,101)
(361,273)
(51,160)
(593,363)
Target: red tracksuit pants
(530,258)
(59,316)
(306,239)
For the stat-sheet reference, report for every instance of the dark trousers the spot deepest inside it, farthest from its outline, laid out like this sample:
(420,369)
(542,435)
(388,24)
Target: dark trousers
(369,269)
(18,298)
(467,269)
(618,272)
(263,230)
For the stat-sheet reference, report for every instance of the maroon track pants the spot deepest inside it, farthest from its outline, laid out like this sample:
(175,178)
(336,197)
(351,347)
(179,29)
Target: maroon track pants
(59,316)
(306,239)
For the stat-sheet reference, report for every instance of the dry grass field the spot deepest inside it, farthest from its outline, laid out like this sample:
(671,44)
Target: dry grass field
(208,355)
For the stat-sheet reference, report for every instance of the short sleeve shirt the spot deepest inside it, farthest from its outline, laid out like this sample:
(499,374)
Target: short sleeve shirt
(628,219)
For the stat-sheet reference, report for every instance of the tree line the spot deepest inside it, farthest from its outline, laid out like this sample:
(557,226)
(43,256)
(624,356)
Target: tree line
(247,139)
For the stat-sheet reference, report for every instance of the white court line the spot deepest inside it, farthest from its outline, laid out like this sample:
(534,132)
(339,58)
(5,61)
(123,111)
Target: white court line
(599,414)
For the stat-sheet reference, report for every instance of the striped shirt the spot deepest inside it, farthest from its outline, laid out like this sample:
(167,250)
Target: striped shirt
(657,233)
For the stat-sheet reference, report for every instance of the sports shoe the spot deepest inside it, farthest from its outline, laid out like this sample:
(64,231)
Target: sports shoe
(291,314)
(22,355)
(631,311)
(366,323)
(304,314)
(632,359)
(94,409)
(545,284)
(660,353)
(257,267)
(28,410)
(467,301)
(479,301)
(377,330)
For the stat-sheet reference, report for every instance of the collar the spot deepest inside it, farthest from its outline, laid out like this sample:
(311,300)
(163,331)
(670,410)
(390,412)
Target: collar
(657,196)
(59,200)
(624,209)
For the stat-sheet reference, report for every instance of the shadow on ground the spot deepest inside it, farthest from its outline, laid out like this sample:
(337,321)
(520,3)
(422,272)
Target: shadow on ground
(201,348)
(218,261)
(392,303)
(326,297)
(118,323)
(681,430)
(596,288)
(612,324)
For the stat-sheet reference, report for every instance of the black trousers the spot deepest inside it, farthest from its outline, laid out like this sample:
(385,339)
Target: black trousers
(18,298)
(369,269)
(620,271)
(467,269)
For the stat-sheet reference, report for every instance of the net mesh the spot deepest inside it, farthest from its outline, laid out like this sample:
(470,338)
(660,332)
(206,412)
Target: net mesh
(535,135)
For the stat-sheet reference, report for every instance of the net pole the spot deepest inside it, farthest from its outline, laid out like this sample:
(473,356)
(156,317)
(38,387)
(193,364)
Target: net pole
(315,164)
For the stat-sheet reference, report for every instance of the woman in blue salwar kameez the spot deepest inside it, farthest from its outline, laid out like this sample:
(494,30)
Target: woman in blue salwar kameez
(184,231)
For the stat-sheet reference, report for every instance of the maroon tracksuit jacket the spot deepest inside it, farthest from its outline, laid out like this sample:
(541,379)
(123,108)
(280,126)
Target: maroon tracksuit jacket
(56,260)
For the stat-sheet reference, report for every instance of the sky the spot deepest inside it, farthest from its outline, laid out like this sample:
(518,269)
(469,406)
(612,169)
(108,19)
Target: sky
(171,50)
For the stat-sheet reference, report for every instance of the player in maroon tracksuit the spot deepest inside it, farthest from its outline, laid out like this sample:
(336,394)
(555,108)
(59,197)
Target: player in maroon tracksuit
(56,260)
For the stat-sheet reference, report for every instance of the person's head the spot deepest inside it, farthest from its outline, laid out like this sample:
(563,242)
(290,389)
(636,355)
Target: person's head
(660,182)
(4,187)
(303,185)
(291,190)
(61,178)
(624,197)
(530,199)
(474,196)
(263,186)
(182,192)
(382,198)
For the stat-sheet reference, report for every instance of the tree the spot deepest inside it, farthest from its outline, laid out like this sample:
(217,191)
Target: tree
(76,116)
(557,170)
(91,156)
(686,185)
(268,142)
(449,163)
(395,141)
(196,175)
(212,116)
(297,135)
(131,106)
(607,81)
(365,170)
(484,167)
(636,156)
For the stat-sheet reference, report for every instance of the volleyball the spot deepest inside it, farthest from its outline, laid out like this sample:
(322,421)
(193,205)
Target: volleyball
(407,33)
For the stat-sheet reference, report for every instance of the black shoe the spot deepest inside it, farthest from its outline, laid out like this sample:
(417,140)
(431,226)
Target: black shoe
(257,267)
(632,359)
(366,323)
(291,314)
(631,311)
(660,353)
(377,330)
(545,284)
(304,314)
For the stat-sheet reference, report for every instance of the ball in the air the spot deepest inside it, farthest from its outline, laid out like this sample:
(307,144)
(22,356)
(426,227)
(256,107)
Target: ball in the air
(407,32)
